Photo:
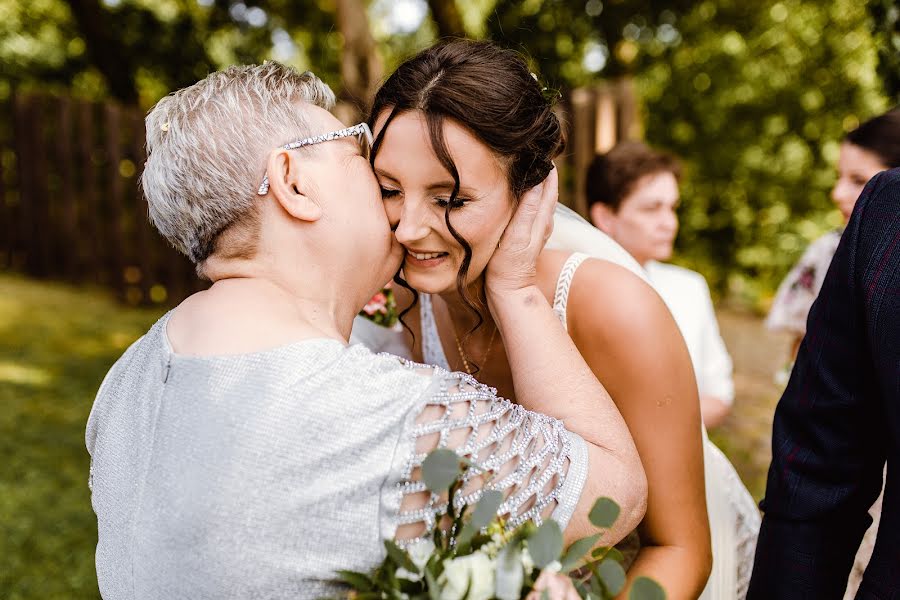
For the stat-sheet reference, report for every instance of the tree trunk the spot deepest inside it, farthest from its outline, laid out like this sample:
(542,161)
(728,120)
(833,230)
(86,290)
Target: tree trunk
(447,18)
(107,52)
(361,66)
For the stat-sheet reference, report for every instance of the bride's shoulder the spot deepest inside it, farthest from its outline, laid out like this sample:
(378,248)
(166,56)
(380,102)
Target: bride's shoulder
(608,296)
(549,264)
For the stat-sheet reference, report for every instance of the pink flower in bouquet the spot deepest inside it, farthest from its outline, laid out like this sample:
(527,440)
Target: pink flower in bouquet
(378,304)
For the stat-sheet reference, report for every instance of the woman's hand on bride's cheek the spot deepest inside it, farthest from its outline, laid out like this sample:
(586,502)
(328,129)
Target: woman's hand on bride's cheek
(513,265)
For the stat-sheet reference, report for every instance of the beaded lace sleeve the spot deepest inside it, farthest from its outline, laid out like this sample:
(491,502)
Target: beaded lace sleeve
(538,465)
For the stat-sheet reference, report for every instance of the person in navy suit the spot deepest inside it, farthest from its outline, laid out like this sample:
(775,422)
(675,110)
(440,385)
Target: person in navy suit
(838,422)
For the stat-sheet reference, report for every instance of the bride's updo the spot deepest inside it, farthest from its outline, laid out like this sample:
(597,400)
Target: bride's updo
(487,89)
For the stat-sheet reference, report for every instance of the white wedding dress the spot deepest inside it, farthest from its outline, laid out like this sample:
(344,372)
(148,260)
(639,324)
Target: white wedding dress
(733,515)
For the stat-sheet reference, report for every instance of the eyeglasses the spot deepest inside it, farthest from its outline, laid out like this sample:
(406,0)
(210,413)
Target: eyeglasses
(361,130)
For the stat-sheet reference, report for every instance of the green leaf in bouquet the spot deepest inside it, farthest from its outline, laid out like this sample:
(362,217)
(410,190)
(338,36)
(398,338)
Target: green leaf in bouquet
(400,556)
(486,509)
(358,581)
(604,513)
(484,513)
(440,469)
(545,544)
(545,595)
(510,574)
(434,591)
(613,576)
(576,551)
(645,588)
(608,552)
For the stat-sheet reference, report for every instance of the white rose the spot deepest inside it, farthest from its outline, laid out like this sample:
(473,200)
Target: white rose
(527,561)
(419,553)
(474,573)
(553,567)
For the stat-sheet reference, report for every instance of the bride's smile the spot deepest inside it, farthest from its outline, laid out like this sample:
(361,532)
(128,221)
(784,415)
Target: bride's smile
(418,193)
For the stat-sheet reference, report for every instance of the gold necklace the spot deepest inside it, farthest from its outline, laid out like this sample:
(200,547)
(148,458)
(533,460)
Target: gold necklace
(462,354)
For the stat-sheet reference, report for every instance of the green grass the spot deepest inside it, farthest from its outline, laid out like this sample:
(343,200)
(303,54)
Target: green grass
(56,344)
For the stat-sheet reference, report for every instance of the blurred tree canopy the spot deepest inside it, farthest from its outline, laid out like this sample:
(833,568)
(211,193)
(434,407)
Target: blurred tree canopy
(755,96)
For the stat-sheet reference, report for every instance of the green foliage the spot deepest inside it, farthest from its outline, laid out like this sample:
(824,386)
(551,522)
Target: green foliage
(474,549)
(440,469)
(645,588)
(886,29)
(756,98)
(162,45)
(612,575)
(56,345)
(546,544)
(604,513)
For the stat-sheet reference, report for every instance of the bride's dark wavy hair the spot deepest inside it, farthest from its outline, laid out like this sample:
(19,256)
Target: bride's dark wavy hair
(491,91)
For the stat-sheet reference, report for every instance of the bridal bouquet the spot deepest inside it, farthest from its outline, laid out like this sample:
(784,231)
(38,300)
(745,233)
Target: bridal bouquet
(381,308)
(477,558)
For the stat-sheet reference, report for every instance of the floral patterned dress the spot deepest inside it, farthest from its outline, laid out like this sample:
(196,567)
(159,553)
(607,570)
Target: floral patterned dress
(801,286)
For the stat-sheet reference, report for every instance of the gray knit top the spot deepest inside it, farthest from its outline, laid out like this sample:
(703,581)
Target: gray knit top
(259,475)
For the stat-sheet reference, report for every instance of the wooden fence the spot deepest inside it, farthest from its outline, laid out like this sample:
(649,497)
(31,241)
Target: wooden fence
(71,208)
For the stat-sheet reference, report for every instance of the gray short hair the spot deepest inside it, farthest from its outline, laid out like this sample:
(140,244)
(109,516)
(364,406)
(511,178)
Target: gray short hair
(207,145)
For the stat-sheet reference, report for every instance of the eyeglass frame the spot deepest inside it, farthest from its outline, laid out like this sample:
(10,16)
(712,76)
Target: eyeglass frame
(360,129)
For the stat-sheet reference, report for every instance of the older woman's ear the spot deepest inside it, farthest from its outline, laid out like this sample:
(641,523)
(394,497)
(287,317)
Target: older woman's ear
(290,188)
(602,217)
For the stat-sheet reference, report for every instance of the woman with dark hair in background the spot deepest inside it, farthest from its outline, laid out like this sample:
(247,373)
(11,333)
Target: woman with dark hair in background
(869,149)
(461,131)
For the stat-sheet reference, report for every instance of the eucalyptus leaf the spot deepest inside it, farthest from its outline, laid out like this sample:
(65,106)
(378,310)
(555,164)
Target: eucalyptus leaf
(604,513)
(607,552)
(486,509)
(440,469)
(484,513)
(433,591)
(576,552)
(510,573)
(465,536)
(613,576)
(645,588)
(400,556)
(545,544)
(358,581)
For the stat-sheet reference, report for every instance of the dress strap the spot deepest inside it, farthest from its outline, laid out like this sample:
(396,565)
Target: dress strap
(432,349)
(561,297)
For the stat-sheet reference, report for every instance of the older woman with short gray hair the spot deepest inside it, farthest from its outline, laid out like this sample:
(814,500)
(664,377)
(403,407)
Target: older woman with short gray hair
(240,448)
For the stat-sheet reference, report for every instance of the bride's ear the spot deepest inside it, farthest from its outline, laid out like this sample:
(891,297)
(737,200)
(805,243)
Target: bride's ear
(289,187)
(602,217)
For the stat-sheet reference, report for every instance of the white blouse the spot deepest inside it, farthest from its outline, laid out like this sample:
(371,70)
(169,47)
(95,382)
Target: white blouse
(686,294)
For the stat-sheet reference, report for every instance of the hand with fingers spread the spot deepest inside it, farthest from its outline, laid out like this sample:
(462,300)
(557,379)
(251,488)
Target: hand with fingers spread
(514,265)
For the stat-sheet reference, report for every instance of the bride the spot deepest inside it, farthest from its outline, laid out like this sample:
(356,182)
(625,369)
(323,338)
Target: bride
(462,130)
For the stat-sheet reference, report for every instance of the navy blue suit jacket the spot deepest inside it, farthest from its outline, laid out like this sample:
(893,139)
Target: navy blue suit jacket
(838,422)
